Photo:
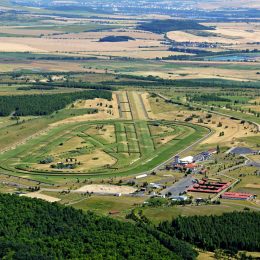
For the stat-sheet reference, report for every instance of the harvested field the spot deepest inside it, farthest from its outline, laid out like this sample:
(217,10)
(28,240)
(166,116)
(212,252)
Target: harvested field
(109,189)
(16,30)
(227,33)
(97,35)
(70,45)
(13,46)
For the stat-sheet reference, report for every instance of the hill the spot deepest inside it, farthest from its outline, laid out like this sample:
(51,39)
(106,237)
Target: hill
(31,229)
(163,26)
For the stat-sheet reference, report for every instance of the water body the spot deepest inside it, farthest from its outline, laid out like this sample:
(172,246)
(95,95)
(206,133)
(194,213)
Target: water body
(238,57)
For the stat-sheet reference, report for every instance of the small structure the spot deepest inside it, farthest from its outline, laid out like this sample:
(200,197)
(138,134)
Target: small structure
(113,212)
(237,196)
(179,198)
(154,185)
(141,176)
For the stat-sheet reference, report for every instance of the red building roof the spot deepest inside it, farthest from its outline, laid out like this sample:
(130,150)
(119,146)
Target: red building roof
(237,195)
(191,165)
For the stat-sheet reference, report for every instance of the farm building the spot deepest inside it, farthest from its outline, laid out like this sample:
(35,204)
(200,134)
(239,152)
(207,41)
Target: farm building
(207,186)
(237,196)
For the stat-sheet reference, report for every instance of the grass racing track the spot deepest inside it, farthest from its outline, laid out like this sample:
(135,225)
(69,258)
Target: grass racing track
(138,147)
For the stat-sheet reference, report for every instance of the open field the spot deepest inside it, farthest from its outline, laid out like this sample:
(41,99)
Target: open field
(238,71)
(227,33)
(107,189)
(41,196)
(167,213)
(234,131)
(134,150)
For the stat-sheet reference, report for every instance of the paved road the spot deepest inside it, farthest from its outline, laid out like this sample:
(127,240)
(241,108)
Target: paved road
(179,187)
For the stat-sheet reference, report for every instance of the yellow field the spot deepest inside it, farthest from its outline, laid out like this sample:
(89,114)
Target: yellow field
(227,33)
(11,44)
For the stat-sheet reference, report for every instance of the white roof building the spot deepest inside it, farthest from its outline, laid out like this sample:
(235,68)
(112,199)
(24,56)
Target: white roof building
(188,159)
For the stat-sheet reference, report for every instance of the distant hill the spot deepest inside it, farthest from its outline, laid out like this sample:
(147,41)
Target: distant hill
(163,26)
(116,39)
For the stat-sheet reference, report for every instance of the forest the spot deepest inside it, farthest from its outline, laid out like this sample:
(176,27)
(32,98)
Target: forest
(35,229)
(232,231)
(163,26)
(113,38)
(37,105)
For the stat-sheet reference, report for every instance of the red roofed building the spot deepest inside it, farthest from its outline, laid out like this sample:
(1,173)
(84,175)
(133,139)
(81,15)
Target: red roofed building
(207,186)
(237,196)
(191,166)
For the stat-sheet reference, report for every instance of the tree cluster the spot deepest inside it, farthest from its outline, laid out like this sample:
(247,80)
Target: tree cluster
(34,229)
(37,105)
(233,231)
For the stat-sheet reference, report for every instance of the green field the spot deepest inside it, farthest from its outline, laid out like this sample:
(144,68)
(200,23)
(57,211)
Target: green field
(133,151)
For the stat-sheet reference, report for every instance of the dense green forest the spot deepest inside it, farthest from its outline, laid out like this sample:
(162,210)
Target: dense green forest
(113,38)
(36,105)
(232,231)
(163,26)
(35,229)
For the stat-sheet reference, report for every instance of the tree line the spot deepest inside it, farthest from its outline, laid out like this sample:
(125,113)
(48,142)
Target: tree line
(232,231)
(207,98)
(38,105)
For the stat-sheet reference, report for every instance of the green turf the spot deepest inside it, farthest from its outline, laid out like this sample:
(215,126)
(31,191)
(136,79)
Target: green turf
(134,149)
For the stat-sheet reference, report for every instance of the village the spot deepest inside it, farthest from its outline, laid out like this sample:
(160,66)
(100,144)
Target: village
(196,185)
